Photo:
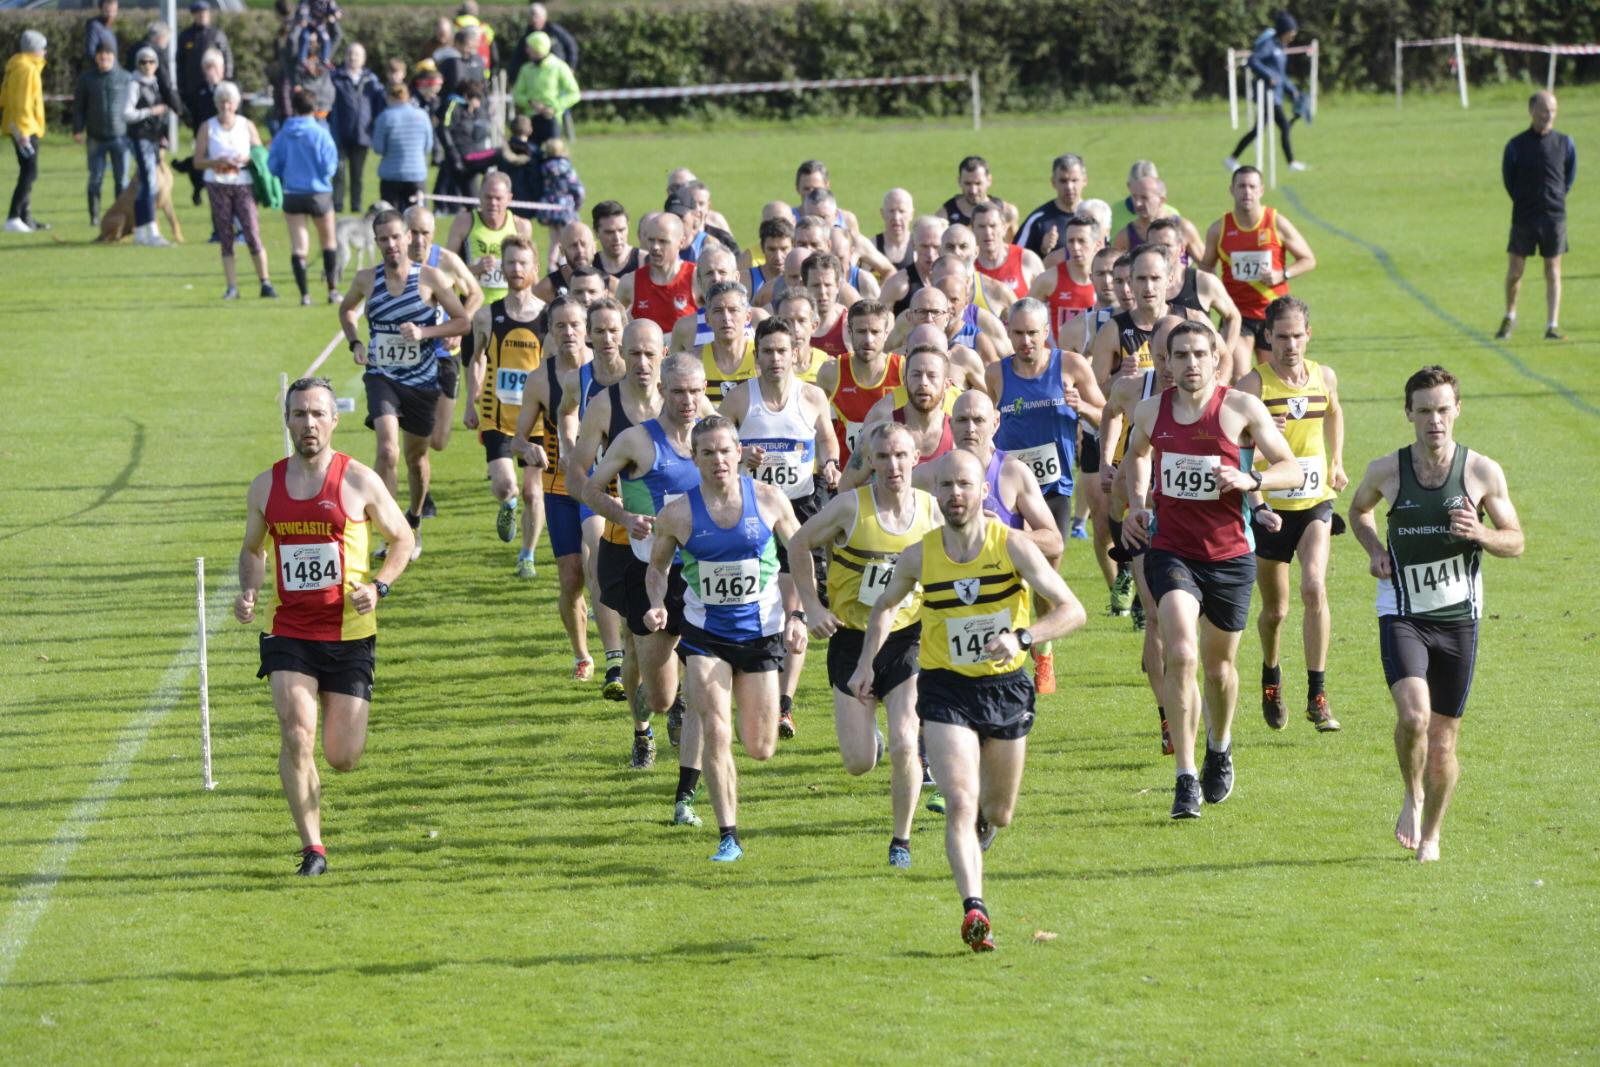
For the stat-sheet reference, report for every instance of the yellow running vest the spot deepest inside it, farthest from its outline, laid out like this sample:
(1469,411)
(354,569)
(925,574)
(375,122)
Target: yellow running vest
(964,605)
(719,384)
(1306,410)
(482,241)
(513,355)
(864,562)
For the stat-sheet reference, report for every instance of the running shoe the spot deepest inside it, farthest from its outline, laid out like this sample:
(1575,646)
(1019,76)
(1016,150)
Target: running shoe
(1186,798)
(416,545)
(1230,164)
(877,735)
(935,802)
(1507,324)
(674,721)
(312,863)
(900,856)
(644,753)
(1122,593)
(1166,737)
(1216,775)
(975,931)
(582,670)
(1137,611)
(16,225)
(231,293)
(1273,709)
(305,300)
(429,509)
(986,832)
(268,292)
(786,725)
(927,774)
(612,689)
(334,296)
(1079,531)
(683,814)
(1298,165)
(36,226)
(1044,673)
(728,850)
(505,520)
(525,568)
(1553,333)
(1318,715)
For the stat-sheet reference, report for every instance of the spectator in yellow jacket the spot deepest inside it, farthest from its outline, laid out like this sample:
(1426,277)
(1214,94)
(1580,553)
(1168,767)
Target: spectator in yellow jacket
(22,119)
(545,89)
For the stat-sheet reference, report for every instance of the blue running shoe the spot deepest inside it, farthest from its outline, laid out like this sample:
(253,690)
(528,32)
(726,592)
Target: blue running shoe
(1079,531)
(900,856)
(728,850)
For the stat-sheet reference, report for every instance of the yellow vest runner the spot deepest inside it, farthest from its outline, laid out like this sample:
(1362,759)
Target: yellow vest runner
(864,561)
(1306,411)
(964,605)
(482,241)
(513,355)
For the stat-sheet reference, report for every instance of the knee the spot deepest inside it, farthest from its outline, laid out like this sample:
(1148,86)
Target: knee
(1273,613)
(1221,675)
(343,762)
(1413,721)
(761,748)
(388,454)
(998,817)
(1181,656)
(570,570)
(1313,593)
(858,762)
(961,806)
(299,741)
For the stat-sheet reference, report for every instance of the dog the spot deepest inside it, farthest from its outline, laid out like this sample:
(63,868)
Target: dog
(353,233)
(118,223)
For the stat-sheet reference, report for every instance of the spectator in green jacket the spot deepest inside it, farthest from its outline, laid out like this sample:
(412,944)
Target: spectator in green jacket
(98,125)
(545,89)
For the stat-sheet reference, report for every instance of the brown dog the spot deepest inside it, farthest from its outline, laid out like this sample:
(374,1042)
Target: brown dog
(117,223)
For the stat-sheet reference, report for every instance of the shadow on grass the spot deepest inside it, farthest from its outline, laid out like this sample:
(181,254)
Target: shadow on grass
(116,485)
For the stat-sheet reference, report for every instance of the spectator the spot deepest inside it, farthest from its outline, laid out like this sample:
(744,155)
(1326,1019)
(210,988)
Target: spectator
(146,114)
(488,51)
(443,45)
(425,97)
(562,186)
(466,132)
(462,65)
(545,88)
(98,30)
(313,75)
(195,88)
(395,72)
(22,118)
(562,44)
(198,111)
(222,153)
(97,123)
(403,139)
(156,38)
(357,102)
(304,158)
(317,30)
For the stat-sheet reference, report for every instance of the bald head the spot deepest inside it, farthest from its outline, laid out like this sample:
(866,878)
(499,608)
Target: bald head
(974,403)
(973,420)
(959,241)
(793,262)
(1542,109)
(958,466)
(643,332)
(929,334)
(418,217)
(776,209)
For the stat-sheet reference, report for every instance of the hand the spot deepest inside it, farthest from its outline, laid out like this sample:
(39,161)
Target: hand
(752,456)
(77,138)
(1268,519)
(410,331)
(244,605)
(363,597)
(1070,394)
(831,475)
(1464,523)
(824,623)
(1281,422)
(1108,474)
(158,110)
(1136,528)
(641,526)
(1128,367)
(1003,647)
(794,636)
(1047,243)
(861,684)
(1379,565)
(536,456)
(486,264)
(655,620)
(469,417)
(1338,478)
(1234,479)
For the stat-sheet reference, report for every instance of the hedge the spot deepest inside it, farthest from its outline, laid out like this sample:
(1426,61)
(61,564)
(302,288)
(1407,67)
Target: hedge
(1035,55)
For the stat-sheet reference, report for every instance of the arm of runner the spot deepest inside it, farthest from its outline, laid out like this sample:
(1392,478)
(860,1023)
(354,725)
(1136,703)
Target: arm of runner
(390,521)
(618,458)
(442,289)
(1215,293)
(1369,494)
(1032,267)
(253,553)
(1039,523)
(670,530)
(1210,257)
(1104,353)
(350,315)
(821,529)
(465,284)
(1283,470)
(528,416)
(1295,246)
(1333,432)
(1193,243)
(1066,614)
(477,367)
(827,441)
(869,256)
(1136,472)
(779,513)
(591,428)
(1504,539)
(901,585)
(1082,392)
(625,294)
(456,242)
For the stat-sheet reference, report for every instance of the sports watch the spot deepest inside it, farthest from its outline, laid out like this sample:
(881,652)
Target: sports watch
(1024,638)
(382,588)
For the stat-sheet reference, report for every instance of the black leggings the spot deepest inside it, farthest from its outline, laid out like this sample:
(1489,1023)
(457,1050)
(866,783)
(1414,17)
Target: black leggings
(1283,121)
(27,171)
(352,168)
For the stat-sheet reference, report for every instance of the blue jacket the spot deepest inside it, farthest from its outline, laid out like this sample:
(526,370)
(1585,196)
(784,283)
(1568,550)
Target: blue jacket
(303,157)
(357,103)
(1270,63)
(403,136)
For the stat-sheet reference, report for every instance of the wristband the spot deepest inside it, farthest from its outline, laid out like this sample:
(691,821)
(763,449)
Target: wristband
(1259,508)
(1257,476)
(798,615)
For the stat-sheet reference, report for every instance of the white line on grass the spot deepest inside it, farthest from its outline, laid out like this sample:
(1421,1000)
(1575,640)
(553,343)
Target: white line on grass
(326,352)
(34,899)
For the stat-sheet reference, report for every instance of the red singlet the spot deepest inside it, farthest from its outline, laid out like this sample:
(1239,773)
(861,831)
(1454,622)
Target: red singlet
(1068,299)
(663,305)
(1247,258)
(852,400)
(946,440)
(1008,273)
(832,340)
(318,552)
(1195,518)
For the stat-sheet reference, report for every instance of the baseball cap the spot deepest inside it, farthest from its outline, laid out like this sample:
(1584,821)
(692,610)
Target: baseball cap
(538,43)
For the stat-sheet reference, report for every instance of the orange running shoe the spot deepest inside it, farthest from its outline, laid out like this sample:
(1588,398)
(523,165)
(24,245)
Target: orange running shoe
(1044,673)
(1273,709)
(975,931)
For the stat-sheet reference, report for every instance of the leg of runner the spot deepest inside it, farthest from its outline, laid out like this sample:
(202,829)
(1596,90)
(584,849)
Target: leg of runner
(956,757)
(417,471)
(1154,654)
(999,778)
(794,666)
(1272,578)
(1441,775)
(344,730)
(607,622)
(708,688)
(444,413)
(532,520)
(1219,650)
(857,727)
(570,604)
(295,696)
(1411,735)
(503,479)
(1100,525)
(386,463)
(905,766)
(1318,622)
(1178,615)
(756,694)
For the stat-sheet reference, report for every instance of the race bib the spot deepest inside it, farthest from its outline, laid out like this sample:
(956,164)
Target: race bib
(641,549)
(1251,266)
(1044,461)
(787,469)
(874,580)
(492,278)
(730,584)
(851,431)
(1189,477)
(968,635)
(1313,477)
(509,384)
(389,349)
(307,568)
(1431,586)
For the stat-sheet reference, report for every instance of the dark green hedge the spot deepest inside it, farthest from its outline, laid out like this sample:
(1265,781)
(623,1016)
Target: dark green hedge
(1034,54)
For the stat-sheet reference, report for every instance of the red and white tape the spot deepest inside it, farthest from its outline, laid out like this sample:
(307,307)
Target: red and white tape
(1510,46)
(731,88)
(529,205)
(1242,55)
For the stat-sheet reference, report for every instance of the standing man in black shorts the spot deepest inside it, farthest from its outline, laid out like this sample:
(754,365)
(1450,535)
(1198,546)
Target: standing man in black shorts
(317,506)
(1430,589)
(1538,168)
(975,700)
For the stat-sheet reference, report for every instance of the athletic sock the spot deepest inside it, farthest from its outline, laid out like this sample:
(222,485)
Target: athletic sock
(1190,771)
(318,849)
(613,655)
(970,903)
(688,782)
(646,732)
(1511,316)
(785,704)
(1272,675)
(299,265)
(900,842)
(330,267)
(1552,324)
(1226,743)
(414,521)
(1316,683)
(729,831)
(1162,712)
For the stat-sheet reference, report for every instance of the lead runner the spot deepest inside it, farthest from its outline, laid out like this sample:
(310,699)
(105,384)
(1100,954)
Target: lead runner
(316,506)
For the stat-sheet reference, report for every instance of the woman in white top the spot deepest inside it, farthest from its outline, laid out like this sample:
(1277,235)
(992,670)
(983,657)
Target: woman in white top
(222,152)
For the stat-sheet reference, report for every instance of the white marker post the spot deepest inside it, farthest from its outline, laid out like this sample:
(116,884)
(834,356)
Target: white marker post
(1550,79)
(205,685)
(1233,89)
(1461,71)
(1272,154)
(977,101)
(1316,53)
(1399,47)
(1261,125)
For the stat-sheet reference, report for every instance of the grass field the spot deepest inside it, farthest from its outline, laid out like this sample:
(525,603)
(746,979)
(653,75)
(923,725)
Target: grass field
(556,917)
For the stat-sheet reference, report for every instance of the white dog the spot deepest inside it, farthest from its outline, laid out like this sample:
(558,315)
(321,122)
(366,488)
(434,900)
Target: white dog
(354,236)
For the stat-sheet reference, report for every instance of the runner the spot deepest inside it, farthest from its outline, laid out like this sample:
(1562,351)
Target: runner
(1199,563)
(856,383)
(789,442)
(865,531)
(543,413)
(577,246)
(1148,196)
(776,238)
(476,235)
(927,237)
(972,174)
(662,289)
(420,247)
(975,702)
(1044,230)
(1302,396)
(316,506)
(800,311)
(1253,245)
(733,624)
(1011,265)
(693,332)
(983,292)
(401,356)
(822,274)
(507,353)
(927,380)
(852,248)
(729,357)
(813,174)
(1066,284)
(616,256)
(894,243)
(1430,589)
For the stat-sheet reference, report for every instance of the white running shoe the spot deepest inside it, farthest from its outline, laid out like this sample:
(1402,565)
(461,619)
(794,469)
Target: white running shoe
(16,225)
(1231,163)
(1297,165)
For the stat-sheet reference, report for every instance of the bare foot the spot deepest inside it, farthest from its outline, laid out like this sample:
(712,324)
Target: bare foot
(1406,830)
(1428,852)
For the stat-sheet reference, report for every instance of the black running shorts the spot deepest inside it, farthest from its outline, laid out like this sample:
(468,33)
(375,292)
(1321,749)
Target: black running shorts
(449,374)
(338,666)
(895,662)
(1088,450)
(415,408)
(1441,653)
(1279,546)
(1222,587)
(1257,329)
(1118,552)
(997,707)
(497,445)
(1548,237)
(758,656)
(804,508)
(621,576)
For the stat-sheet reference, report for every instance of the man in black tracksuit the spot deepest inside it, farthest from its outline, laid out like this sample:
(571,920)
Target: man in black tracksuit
(1539,166)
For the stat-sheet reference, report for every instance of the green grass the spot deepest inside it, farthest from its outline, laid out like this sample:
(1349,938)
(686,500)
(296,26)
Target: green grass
(556,918)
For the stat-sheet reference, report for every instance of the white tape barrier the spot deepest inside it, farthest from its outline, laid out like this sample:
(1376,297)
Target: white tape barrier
(1458,42)
(530,205)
